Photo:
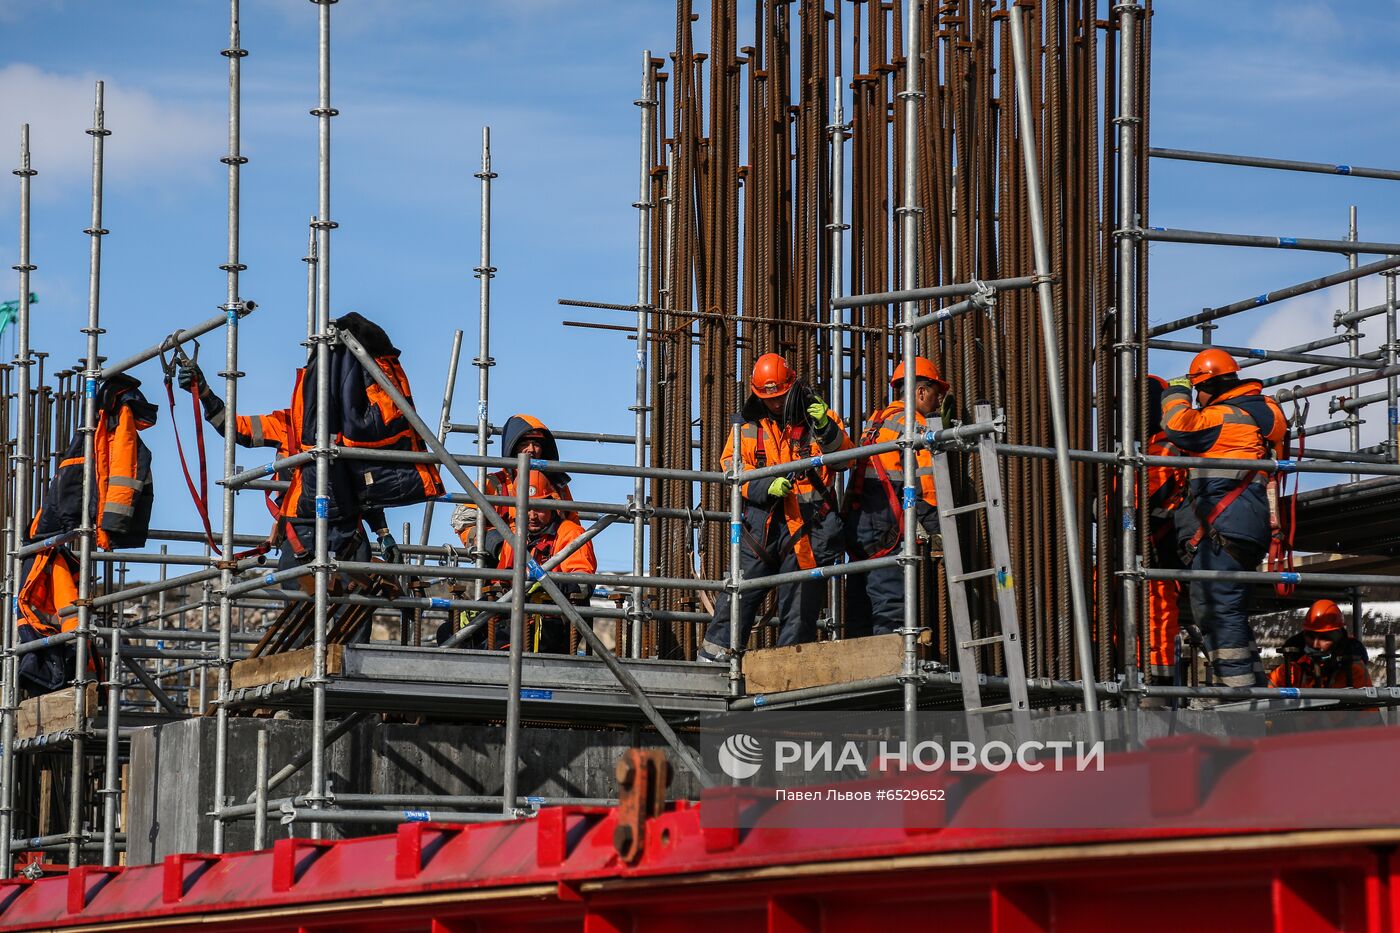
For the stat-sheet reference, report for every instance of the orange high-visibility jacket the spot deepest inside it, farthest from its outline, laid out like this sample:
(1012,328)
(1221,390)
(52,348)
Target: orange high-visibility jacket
(547,545)
(765,442)
(1241,423)
(123,493)
(50,584)
(888,425)
(1346,669)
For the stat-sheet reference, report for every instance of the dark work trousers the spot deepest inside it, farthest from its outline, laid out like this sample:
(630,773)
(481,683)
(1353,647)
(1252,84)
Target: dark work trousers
(876,529)
(799,604)
(1221,609)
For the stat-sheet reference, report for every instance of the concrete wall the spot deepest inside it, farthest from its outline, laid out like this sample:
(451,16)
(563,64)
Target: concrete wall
(171,777)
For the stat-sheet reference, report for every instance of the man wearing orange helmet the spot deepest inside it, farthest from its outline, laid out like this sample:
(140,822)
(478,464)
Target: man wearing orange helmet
(789,522)
(1322,654)
(1224,523)
(874,516)
(547,532)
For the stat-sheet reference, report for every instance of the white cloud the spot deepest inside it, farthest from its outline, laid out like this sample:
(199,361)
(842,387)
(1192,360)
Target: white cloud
(152,139)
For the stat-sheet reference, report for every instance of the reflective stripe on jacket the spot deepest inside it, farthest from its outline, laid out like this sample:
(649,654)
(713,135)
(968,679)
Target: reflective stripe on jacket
(1241,423)
(764,442)
(123,494)
(1346,669)
(888,425)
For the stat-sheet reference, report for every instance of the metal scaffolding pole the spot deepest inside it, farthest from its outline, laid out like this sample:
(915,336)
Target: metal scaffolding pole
(909,272)
(484,272)
(86,539)
(1353,337)
(647,104)
(1053,376)
(1392,357)
(323,113)
(233,308)
(1307,244)
(510,760)
(1128,362)
(1288,165)
(1267,298)
(444,423)
(23,459)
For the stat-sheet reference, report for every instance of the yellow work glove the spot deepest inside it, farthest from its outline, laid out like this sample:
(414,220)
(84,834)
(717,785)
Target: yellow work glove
(1183,381)
(780,487)
(816,410)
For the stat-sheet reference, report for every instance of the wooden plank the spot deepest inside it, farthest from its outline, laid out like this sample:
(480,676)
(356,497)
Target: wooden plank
(770,670)
(51,712)
(287,665)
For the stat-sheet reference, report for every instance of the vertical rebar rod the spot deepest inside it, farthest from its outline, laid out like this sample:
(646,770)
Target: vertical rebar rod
(88,529)
(1074,566)
(510,762)
(260,793)
(448,391)
(484,272)
(19,512)
(111,790)
(232,307)
(1127,340)
(1392,356)
(647,104)
(323,113)
(736,571)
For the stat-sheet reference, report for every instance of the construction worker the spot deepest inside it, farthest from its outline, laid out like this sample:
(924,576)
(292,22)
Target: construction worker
(521,434)
(548,532)
(875,519)
(1322,654)
(789,522)
(362,416)
(1224,524)
(1166,490)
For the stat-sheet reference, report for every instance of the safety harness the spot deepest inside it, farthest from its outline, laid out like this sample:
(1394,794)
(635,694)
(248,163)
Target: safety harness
(1280,558)
(866,439)
(1277,547)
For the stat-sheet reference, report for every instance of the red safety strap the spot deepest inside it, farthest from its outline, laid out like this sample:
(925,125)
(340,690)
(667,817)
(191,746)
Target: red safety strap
(1225,502)
(884,476)
(201,495)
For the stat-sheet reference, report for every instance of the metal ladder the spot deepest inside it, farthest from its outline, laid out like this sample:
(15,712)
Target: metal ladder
(1009,634)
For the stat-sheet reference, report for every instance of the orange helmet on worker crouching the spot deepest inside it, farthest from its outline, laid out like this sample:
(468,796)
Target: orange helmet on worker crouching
(923,369)
(1211,363)
(772,376)
(1324,616)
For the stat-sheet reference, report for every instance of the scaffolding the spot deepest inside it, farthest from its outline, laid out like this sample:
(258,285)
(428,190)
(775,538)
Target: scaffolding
(984,276)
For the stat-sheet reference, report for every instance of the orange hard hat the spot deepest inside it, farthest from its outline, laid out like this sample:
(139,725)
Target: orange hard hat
(923,369)
(541,487)
(1324,616)
(1211,363)
(772,376)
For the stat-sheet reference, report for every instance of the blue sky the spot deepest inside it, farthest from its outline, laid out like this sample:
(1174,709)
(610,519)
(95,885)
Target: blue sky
(415,80)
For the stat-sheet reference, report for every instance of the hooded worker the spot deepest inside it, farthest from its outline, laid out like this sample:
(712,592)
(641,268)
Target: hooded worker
(549,532)
(1224,523)
(1322,654)
(521,433)
(790,521)
(874,513)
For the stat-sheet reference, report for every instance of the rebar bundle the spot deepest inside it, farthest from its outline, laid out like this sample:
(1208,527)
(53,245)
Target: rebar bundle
(742,263)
